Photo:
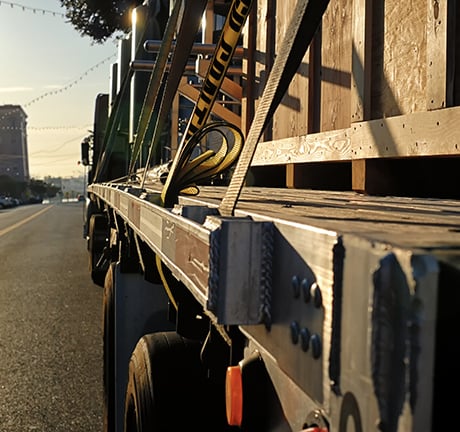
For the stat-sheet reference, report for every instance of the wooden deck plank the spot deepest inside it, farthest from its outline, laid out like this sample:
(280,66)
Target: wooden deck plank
(415,223)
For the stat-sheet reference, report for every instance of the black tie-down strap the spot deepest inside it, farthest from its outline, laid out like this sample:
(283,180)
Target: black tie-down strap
(305,21)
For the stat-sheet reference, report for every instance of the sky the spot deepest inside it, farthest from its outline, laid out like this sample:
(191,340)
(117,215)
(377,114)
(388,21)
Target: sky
(55,74)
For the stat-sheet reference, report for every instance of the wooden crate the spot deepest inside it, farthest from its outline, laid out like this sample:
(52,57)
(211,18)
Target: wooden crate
(374,105)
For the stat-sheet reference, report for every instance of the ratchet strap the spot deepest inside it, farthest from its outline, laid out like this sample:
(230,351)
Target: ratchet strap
(185,171)
(191,14)
(304,23)
(208,164)
(154,86)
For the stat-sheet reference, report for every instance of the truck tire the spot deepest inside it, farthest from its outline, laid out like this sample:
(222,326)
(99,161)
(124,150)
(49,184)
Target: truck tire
(108,343)
(97,241)
(167,389)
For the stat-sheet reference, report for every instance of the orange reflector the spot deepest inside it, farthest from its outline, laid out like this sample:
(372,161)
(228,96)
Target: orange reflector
(234,396)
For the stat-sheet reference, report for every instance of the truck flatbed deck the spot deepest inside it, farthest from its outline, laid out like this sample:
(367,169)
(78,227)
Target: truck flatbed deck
(425,223)
(338,261)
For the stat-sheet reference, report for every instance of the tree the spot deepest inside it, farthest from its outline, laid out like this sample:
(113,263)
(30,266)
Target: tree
(99,19)
(43,189)
(24,190)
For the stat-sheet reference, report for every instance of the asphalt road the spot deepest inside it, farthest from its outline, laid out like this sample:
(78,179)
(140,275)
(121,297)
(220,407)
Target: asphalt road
(50,323)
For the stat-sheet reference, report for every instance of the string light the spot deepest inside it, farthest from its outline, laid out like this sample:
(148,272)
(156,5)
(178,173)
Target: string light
(55,92)
(48,128)
(33,9)
(48,163)
(71,84)
(56,149)
(56,128)
(47,94)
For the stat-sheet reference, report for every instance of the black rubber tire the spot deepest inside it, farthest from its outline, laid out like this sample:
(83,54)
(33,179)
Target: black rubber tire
(167,389)
(108,344)
(97,240)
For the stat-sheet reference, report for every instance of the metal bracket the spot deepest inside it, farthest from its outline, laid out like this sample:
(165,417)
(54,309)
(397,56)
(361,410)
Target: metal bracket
(240,262)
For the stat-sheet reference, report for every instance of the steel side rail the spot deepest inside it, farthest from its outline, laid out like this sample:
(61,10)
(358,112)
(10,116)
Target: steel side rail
(224,263)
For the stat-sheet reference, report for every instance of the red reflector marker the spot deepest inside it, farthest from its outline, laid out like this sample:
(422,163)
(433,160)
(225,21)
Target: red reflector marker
(234,396)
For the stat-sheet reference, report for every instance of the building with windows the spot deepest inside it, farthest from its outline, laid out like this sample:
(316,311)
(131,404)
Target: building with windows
(14,161)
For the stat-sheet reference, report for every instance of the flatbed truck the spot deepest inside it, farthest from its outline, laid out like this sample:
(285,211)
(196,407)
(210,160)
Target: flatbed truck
(313,283)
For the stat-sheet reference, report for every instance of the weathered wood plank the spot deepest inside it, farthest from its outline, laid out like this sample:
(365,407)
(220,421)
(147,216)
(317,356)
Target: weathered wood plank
(361,79)
(248,67)
(399,57)
(324,146)
(432,133)
(361,60)
(336,65)
(291,117)
(436,54)
(404,222)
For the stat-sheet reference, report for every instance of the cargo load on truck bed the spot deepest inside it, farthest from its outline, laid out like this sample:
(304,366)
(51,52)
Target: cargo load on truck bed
(274,216)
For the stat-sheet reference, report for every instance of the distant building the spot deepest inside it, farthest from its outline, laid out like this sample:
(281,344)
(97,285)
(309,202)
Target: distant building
(14,159)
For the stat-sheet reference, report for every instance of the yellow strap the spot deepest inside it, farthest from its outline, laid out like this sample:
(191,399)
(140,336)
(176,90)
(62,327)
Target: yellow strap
(207,165)
(165,282)
(218,67)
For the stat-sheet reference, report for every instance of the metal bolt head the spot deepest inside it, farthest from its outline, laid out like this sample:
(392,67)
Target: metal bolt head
(295,284)
(305,285)
(316,294)
(305,339)
(316,347)
(295,331)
